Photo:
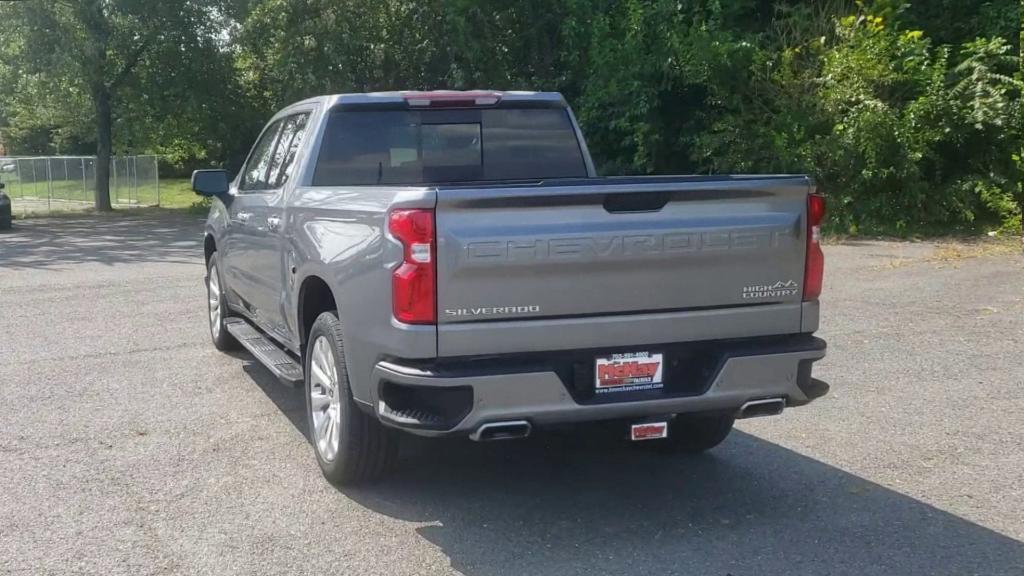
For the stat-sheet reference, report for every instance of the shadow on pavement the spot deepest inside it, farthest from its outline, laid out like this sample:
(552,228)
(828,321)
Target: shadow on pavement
(49,243)
(290,401)
(579,503)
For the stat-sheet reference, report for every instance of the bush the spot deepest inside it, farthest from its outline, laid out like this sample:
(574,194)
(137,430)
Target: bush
(902,135)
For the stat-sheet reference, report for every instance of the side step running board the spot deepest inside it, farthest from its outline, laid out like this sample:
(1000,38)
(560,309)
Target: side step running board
(276,360)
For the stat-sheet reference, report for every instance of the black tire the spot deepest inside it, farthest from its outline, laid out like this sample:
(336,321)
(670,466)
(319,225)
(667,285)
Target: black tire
(693,433)
(222,339)
(366,449)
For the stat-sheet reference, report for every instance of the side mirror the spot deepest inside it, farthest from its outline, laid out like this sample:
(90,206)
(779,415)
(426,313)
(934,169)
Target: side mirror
(210,182)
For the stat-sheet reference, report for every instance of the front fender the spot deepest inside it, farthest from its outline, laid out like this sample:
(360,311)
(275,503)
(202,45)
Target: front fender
(217,222)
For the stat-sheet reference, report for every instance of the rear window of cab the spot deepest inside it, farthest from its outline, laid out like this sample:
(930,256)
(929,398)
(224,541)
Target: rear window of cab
(381,147)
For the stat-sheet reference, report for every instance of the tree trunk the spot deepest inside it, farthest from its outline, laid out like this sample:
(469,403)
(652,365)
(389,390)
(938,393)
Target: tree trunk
(101,99)
(94,62)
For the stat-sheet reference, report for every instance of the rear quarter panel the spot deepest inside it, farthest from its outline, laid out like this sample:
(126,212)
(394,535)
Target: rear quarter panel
(339,234)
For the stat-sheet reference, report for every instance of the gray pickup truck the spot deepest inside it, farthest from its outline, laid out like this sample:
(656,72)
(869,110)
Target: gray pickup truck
(450,264)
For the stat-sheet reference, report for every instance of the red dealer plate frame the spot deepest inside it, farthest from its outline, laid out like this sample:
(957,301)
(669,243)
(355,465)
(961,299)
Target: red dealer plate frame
(648,431)
(629,372)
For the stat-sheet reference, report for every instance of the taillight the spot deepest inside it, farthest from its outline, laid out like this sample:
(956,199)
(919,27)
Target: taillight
(814,270)
(413,295)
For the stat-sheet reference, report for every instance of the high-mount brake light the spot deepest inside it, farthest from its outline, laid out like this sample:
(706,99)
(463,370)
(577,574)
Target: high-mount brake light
(814,269)
(451,99)
(413,291)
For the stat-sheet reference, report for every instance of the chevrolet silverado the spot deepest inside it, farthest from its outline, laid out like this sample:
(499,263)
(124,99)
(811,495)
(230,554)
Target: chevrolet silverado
(449,263)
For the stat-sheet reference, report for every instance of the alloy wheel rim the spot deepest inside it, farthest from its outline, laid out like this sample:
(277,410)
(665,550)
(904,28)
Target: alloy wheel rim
(213,293)
(324,399)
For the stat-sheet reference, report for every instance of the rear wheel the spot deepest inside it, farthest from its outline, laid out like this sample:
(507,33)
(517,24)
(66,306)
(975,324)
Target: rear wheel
(217,307)
(351,446)
(694,433)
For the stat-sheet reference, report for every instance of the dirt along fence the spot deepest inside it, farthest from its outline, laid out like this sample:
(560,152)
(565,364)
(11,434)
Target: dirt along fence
(47,184)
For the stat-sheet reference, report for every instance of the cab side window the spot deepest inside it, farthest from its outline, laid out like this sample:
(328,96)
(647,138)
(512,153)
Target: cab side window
(283,160)
(254,175)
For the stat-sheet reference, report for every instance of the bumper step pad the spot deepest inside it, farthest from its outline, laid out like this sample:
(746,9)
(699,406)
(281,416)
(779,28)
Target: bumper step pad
(269,354)
(411,417)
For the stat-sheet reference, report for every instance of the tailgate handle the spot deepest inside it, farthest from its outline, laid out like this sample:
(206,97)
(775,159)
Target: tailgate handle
(635,202)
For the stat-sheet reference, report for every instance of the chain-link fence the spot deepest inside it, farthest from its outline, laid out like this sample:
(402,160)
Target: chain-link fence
(65,183)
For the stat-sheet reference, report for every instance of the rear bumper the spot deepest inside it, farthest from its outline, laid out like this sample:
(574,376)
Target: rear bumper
(457,396)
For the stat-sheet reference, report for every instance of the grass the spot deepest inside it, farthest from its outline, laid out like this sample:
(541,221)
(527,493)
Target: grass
(951,251)
(976,248)
(68,196)
(177,193)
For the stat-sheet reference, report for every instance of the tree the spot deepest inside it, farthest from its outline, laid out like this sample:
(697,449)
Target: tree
(93,50)
(1020,125)
(908,114)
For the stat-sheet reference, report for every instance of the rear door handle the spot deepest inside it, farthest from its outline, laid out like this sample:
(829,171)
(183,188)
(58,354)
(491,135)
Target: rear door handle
(273,223)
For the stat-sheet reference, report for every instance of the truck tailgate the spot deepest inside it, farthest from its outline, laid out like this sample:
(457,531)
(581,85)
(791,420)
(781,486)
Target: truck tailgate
(592,251)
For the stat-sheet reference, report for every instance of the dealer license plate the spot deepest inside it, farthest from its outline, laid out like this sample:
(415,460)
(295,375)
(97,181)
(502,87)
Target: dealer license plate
(628,372)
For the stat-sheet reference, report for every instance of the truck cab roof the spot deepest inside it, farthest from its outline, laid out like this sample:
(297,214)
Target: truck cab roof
(440,98)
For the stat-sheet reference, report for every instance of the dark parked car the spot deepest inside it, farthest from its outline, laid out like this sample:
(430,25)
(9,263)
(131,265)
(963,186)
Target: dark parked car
(5,209)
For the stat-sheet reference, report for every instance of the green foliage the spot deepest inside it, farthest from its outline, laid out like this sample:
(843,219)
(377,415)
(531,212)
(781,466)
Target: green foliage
(1019,156)
(908,115)
(163,66)
(903,135)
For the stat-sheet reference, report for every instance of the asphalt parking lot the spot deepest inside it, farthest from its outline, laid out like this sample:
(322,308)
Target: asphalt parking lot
(128,445)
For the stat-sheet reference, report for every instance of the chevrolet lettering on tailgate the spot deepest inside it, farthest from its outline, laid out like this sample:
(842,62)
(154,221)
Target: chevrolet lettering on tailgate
(619,246)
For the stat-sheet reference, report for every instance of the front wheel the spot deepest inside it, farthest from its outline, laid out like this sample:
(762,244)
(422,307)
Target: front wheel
(217,307)
(350,445)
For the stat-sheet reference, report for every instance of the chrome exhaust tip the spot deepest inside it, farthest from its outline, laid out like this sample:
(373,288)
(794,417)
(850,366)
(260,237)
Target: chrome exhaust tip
(763,407)
(509,430)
